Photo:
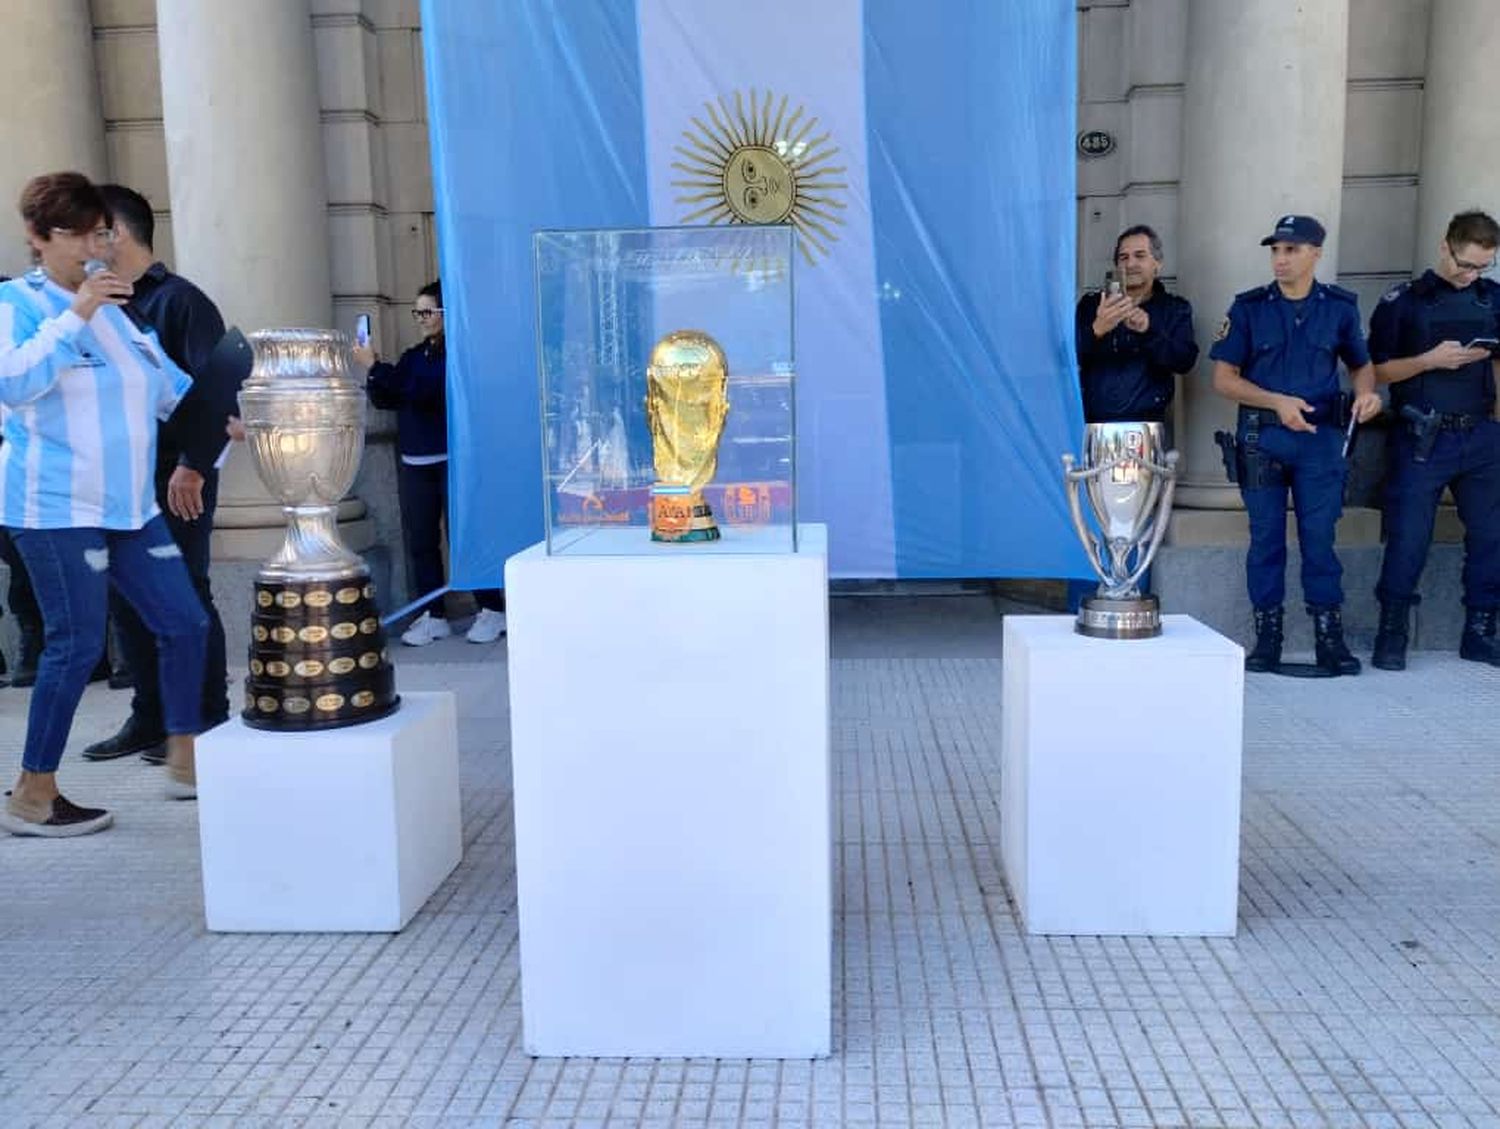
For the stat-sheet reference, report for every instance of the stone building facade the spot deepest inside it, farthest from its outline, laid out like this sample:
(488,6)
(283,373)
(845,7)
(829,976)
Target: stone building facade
(264,130)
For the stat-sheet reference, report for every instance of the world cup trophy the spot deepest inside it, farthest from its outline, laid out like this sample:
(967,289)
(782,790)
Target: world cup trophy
(687,382)
(1129,480)
(317,649)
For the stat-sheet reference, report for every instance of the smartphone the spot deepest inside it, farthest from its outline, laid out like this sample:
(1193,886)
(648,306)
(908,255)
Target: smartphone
(1112,287)
(1490,343)
(362,330)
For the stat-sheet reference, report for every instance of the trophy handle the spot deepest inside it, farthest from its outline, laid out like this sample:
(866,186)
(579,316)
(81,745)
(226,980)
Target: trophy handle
(1093,545)
(1161,512)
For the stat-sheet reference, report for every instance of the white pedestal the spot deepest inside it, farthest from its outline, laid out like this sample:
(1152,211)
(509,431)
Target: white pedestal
(669,736)
(347,830)
(1120,778)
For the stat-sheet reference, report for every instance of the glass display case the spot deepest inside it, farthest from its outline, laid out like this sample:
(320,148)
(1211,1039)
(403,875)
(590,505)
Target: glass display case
(667,390)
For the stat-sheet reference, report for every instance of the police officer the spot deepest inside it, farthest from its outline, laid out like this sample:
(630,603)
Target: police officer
(1445,436)
(1276,354)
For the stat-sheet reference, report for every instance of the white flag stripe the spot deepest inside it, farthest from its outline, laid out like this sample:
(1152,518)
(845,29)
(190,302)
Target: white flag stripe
(811,54)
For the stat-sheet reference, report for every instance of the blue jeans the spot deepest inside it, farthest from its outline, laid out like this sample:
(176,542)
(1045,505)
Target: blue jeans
(139,643)
(71,572)
(1469,462)
(1313,468)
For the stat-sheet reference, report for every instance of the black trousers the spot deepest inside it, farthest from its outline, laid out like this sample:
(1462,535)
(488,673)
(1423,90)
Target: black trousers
(139,644)
(18,597)
(424,511)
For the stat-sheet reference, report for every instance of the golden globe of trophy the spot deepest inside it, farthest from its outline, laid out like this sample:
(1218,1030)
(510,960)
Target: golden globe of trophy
(687,382)
(317,647)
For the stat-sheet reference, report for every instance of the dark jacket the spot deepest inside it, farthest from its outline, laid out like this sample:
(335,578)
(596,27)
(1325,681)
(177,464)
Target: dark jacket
(188,325)
(416,389)
(1127,375)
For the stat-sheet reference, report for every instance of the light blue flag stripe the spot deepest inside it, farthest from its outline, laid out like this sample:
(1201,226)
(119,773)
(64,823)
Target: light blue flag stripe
(535,123)
(971,120)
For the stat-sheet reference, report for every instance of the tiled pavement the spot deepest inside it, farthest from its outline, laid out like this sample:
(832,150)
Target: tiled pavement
(1363,988)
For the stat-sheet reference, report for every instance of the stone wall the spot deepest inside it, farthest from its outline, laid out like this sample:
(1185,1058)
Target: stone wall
(1132,71)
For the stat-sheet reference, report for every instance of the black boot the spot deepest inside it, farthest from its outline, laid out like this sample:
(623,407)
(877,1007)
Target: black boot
(1266,655)
(1328,642)
(133,737)
(31,651)
(1479,643)
(1391,638)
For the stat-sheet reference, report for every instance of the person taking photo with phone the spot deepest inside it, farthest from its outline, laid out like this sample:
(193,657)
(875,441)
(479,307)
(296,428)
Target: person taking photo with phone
(1431,340)
(1132,338)
(416,389)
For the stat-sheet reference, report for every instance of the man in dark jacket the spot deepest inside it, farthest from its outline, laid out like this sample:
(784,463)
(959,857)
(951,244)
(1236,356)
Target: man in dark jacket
(187,484)
(1131,344)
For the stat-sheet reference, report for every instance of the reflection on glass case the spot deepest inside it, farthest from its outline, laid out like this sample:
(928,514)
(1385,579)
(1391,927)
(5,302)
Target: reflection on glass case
(667,384)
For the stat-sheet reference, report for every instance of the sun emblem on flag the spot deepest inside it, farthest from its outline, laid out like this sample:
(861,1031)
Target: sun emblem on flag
(750,165)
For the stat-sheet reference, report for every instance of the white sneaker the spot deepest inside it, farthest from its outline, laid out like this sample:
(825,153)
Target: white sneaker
(426,628)
(488,626)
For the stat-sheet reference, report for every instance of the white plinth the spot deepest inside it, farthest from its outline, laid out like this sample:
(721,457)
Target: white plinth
(1120,778)
(669,725)
(347,830)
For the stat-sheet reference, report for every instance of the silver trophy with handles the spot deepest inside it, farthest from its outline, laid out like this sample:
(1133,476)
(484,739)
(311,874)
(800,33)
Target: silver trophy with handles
(1128,478)
(317,649)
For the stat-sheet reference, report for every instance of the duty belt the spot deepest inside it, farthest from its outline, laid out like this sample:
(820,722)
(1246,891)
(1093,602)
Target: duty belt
(1460,421)
(1326,411)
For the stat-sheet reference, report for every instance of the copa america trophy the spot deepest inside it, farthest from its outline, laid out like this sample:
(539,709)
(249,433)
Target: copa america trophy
(687,402)
(317,649)
(1129,480)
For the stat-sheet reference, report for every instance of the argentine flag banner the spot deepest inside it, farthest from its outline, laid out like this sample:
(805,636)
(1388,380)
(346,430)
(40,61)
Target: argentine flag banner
(924,154)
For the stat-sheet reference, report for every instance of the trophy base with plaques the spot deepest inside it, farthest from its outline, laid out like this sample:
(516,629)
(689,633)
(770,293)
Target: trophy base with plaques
(1133,617)
(679,514)
(317,656)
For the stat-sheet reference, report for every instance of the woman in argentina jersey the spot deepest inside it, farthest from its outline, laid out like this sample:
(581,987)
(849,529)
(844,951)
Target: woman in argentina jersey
(81,391)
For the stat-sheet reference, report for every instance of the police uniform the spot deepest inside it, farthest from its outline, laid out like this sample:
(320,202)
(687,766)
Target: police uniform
(1460,450)
(1293,347)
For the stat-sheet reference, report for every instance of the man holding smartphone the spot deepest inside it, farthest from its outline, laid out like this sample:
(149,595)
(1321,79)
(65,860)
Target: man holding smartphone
(1432,340)
(1133,338)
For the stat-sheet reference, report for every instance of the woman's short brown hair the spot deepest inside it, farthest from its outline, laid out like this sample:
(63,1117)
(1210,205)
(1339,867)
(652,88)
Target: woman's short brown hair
(66,200)
(1475,227)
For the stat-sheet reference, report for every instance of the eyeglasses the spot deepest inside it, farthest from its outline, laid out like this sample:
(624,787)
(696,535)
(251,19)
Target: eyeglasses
(423,315)
(98,235)
(1477,268)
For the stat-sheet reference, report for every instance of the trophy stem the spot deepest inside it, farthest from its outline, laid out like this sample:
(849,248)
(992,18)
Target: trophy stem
(312,549)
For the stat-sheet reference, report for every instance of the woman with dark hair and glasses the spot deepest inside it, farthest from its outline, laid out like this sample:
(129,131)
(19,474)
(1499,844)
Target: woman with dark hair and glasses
(83,388)
(416,389)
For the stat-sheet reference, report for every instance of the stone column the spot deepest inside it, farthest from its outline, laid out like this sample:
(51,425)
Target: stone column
(1460,132)
(248,193)
(1263,134)
(52,120)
